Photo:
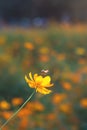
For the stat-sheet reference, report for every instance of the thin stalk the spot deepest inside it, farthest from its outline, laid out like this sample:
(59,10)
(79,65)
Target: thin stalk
(17,110)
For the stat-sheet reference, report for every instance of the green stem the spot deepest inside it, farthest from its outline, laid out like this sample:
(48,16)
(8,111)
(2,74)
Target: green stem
(17,110)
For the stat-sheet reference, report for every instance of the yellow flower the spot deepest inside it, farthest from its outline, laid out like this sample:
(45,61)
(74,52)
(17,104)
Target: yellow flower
(80,51)
(39,83)
(4,105)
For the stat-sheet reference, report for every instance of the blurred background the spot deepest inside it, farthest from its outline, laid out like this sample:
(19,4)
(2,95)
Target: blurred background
(44,34)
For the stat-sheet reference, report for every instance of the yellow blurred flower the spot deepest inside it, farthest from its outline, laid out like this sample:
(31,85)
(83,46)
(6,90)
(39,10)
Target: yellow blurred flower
(2,40)
(83,102)
(80,51)
(29,45)
(4,105)
(39,83)
(44,50)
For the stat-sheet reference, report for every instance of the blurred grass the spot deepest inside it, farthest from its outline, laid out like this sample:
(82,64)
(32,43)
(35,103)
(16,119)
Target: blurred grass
(61,49)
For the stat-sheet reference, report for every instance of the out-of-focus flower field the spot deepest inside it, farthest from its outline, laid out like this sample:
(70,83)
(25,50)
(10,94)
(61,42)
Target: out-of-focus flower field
(62,49)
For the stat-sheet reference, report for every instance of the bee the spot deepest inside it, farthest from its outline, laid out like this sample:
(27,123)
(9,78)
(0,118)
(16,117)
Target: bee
(44,72)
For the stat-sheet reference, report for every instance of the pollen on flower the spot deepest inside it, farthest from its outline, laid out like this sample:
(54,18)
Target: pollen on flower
(39,82)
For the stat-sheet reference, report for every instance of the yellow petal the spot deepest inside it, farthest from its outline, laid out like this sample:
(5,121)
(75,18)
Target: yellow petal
(30,75)
(31,84)
(43,90)
(26,78)
(46,81)
(38,79)
(35,76)
(49,85)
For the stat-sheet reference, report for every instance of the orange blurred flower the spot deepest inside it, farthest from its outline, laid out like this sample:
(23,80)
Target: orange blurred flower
(17,101)
(58,98)
(82,61)
(24,112)
(6,114)
(66,85)
(35,106)
(6,128)
(75,77)
(39,83)
(66,108)
(51,116)
(38,40)
(38,106)
(44,58)
(83,102)
(13,69)
(61,57)
(4,105)
(23,123)
(29,45)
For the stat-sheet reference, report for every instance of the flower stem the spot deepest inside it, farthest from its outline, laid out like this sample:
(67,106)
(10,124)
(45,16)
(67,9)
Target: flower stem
(18,110)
